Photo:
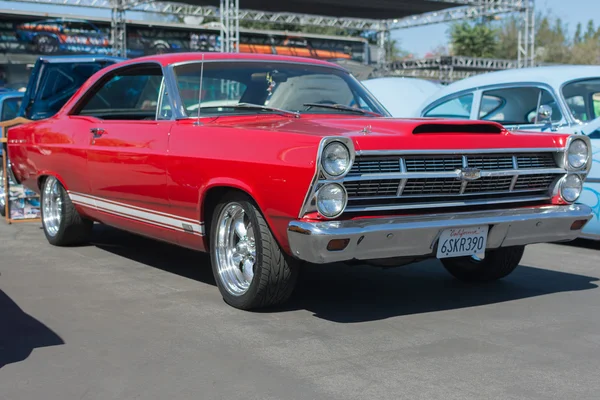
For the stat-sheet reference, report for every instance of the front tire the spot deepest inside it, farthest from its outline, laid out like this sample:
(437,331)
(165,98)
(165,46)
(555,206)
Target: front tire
(62,223)
(496,264)
(250,268)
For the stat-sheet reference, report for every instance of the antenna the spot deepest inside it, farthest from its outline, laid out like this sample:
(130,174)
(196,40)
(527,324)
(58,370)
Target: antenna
(200,90)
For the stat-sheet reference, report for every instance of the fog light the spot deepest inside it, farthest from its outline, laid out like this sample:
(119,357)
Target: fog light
(571,187)
(337,244)
(577,225)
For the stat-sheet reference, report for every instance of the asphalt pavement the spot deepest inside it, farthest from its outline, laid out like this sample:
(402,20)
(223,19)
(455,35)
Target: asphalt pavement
(130,318)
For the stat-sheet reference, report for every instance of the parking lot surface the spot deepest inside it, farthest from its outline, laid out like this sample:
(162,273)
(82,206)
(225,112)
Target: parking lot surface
(131,318)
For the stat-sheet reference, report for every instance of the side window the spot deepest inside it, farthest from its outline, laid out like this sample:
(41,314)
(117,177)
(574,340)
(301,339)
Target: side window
(518,106)
(128,95)
(489,104)
(458,107)
(10,108)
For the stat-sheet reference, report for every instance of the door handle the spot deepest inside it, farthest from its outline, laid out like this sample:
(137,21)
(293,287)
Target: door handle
(97,132)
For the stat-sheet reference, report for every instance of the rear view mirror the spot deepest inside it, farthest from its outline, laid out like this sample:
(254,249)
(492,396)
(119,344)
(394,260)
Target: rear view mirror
(544,114)
(273,76)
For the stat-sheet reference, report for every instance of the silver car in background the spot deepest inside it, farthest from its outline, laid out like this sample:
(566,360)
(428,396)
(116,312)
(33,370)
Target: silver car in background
(544,99)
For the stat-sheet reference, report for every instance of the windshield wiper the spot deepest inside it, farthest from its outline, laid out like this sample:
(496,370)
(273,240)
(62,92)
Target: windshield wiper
(341,107)
(265,108)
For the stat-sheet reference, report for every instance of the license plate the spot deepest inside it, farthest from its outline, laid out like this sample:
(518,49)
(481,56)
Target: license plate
(458,242)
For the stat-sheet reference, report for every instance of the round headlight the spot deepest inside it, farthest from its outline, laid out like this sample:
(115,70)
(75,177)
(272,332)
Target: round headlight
(577,154)
(335,159)
(570,188)
(331,200)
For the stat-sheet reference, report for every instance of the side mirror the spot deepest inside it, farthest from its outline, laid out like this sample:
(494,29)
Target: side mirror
(544,114)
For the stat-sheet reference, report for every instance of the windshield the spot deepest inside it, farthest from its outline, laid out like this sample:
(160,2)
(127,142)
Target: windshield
(229,87)
(583,99)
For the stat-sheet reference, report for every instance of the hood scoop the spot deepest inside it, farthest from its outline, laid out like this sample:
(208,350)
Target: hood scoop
(483,128)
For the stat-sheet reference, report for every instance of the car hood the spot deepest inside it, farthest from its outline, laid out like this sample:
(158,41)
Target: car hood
(405,134)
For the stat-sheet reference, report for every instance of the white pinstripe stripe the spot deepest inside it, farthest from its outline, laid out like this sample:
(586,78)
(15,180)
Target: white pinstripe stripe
(138,214)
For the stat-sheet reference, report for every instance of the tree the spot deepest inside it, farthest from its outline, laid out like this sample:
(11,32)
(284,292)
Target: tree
(590,31)
(508,35)
(551,41)
(577,37)
(473,40)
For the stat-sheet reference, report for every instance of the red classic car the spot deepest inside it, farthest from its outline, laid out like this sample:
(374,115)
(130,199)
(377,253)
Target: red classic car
(268,161)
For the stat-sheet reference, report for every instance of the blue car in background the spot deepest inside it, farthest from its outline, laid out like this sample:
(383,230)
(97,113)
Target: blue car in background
(55,79)
(52,83)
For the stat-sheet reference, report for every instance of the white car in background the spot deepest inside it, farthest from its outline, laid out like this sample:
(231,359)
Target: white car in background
(544,99)
(401,96)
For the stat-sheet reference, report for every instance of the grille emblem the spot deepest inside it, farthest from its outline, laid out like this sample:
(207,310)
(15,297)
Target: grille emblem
(468,174)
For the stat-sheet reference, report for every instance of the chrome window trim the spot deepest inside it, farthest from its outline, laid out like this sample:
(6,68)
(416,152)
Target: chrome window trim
(113,69)
(181,113)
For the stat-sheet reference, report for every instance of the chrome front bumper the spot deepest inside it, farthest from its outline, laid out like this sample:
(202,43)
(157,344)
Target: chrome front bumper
(415,236)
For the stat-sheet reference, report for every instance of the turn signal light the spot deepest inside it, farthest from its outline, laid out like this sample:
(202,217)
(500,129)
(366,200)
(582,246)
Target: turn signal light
(577,225)
(337,244)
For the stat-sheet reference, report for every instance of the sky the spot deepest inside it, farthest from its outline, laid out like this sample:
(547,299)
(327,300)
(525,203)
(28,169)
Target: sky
(419,41)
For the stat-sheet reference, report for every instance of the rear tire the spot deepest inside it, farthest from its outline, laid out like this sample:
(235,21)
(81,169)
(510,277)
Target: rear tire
(62,223)
(496,264)
(249,267)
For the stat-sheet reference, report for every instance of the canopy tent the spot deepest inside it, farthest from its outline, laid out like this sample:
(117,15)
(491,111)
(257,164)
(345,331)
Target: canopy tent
(373,9)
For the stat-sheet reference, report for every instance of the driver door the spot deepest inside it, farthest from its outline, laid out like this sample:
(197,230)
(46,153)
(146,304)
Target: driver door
(127,150)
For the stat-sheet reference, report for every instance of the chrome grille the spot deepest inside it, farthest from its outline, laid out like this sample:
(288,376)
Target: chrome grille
(489,184)
(533,161)
(431,186)
(490,163)
(375,166)
(432,164)
(530,182)
(380,182)
(373,188)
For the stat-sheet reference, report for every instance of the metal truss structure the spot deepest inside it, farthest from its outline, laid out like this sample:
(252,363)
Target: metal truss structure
(446,68)
(118,28)
(230,25)
(230,15)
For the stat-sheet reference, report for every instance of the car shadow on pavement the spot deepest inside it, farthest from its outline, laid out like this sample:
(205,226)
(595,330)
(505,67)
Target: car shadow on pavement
(357,293)
(164,256)
(349,294)
(20,333)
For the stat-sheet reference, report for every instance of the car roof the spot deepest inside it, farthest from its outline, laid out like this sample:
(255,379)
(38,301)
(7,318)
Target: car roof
(173,58)
(554,76)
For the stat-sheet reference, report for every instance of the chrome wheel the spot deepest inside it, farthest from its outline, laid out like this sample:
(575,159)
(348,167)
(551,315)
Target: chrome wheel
(52,206)
(235,249)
